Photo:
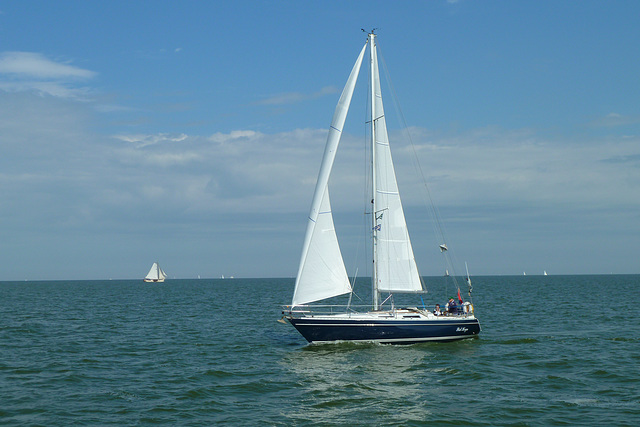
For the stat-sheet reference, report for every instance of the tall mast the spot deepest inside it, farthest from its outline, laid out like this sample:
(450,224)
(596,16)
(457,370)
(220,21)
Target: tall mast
(374,275)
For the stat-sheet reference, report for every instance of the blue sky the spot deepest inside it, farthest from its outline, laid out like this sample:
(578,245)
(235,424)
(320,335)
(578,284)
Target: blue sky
(191,132)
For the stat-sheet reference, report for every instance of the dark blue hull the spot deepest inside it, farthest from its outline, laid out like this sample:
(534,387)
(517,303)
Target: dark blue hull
(385,331)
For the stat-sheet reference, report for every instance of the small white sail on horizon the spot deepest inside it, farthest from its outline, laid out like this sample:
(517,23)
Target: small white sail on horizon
(155,275)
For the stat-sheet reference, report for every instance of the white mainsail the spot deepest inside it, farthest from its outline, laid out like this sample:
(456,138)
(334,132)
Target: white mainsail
(322,273)
(155,274)
(396,268)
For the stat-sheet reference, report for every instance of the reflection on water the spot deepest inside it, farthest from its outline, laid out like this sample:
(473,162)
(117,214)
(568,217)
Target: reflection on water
(341,381)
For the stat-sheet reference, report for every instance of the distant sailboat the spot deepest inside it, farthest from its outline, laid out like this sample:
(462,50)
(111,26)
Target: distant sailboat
(155,275)
(545,272)
(322,273)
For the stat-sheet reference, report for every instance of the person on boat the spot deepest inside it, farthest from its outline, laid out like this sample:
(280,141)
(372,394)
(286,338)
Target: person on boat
(452,308)
(437,311)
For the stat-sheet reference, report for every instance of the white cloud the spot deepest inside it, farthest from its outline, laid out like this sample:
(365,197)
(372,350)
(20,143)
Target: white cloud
(494,166)
(56,89)
(234,135)
(296,97)
(615,120)
(169,159)
(36,65)
(64,178)
(239,170)
(142,140)
(111,108)
(29,71)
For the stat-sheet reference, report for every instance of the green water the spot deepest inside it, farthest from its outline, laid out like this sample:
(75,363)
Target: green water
(554,350)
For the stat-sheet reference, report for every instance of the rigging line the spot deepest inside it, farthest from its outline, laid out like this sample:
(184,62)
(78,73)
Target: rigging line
(355,277)
(440,231)
(417,164)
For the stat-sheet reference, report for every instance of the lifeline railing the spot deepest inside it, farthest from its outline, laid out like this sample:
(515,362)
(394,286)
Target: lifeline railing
(323,310)
(319,310)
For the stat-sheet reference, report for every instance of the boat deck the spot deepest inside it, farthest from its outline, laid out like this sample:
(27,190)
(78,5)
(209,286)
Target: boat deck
(342,312)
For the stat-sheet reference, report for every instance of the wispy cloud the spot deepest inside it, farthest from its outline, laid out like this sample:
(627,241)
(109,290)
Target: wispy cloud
(624,159)
(36,65)
(143,140)
(65,179)
(296,97)
(615,120)
(30,71)
(514,168)
(234,135)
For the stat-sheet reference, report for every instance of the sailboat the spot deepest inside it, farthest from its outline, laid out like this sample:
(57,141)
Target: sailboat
(322,273)
(156,274)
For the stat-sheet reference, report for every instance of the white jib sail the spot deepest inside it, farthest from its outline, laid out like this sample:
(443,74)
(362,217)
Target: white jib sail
(322,273)
(396,265)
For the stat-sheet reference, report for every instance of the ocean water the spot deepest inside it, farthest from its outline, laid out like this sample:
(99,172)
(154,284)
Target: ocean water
(554,350)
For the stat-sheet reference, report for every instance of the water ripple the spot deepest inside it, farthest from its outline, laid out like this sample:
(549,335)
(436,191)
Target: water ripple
(211,352)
